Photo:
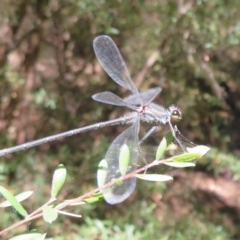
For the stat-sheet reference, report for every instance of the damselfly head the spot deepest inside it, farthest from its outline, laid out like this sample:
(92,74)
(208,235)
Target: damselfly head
(175,113)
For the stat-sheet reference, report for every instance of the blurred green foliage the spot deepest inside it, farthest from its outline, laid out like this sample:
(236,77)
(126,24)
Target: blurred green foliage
(48,73)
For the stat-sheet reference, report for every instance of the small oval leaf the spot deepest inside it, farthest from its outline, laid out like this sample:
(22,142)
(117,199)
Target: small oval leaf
(154,177)
(91,200)
(49,214)
(30,236)
(9,196)
(20,197)
(94,198)
(186,157)
(180,164)
(167,139)
(199,149)
(69,214)
(59,178)
(102,172)
(124,157)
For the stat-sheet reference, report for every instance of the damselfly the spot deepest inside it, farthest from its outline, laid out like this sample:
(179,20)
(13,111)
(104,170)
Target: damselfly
(143,110)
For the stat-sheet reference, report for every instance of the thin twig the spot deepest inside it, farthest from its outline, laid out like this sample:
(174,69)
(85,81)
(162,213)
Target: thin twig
(64,204)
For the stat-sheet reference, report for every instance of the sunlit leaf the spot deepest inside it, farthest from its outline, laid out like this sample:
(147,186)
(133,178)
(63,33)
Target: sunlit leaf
(102,172)
(167,139)
(199,149)
(9,197)
(74,204)
(59,178)
(180,164)
(30,236)
(49,214)
(20,197)
(69,214)
(124,157)
(91,200)
(154,177)
(185,157)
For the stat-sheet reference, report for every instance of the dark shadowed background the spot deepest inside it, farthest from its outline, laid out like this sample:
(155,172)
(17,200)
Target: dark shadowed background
(48,73)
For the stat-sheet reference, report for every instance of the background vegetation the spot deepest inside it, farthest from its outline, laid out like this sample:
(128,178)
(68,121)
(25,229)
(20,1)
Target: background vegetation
(48,72)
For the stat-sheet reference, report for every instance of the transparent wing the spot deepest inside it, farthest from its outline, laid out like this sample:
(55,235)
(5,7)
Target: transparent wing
(112,62)
(143,97)
(119,166)
(113,99)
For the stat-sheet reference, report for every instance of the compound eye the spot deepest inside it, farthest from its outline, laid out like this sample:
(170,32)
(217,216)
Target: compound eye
(176,115)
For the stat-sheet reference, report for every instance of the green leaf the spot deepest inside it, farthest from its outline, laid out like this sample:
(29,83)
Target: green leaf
(154,177)
(192,154)
(69,214)
(185,157)
(30,236)
(201,149)
(94,198)
(20,197)
(98,194)
(8,196)
(59,178)
(91,200)
(49,214)
(124,157)
(180,164)
(102,172)
(163,145)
